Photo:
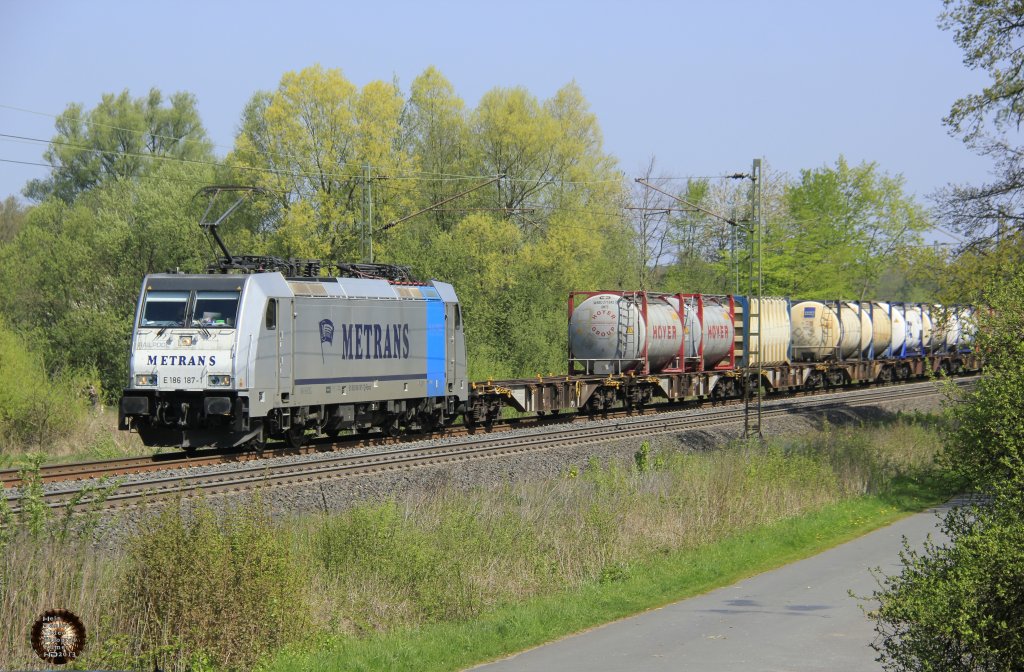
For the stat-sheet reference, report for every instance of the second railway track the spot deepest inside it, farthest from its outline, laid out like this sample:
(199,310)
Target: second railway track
(326,465)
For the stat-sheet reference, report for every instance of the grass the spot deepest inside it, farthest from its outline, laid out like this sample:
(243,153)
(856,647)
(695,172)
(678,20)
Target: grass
(94,437)
(446,578)
(646,585)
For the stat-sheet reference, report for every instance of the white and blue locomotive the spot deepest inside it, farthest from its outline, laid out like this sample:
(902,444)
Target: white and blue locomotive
(232,359)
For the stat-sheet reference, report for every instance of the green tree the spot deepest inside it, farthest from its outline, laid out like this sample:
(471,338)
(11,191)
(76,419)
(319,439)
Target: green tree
(958,606)
(515,249)
(120,138)
(986,446)
(435,129)
(12,216)
(844,225)
(306,142)
(74,270)
(990,33)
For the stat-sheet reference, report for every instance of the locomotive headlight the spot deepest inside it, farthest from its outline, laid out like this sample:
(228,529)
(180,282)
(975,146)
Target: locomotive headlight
(220,381)
(144,379)
(186,340)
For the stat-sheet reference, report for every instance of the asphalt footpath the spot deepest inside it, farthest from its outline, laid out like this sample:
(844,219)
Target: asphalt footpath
(797,618)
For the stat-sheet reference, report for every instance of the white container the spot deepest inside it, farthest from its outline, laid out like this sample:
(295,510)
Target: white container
(820,333)
(774,323)
(881,329)
(862,314)
(899,329)
(609,333)
(915,329)
(927,329)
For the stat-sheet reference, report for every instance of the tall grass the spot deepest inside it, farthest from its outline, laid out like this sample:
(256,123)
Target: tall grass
(89,435)
(196,590)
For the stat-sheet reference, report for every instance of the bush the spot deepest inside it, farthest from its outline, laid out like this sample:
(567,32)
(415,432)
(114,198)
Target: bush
(229,590)
(959,606)
(34,409)
(986,445)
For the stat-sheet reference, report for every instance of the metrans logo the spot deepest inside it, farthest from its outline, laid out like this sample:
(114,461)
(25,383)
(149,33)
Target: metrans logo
(368,341)
(181,360)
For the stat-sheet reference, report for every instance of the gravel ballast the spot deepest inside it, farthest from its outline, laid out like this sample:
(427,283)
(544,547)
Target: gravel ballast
(342,492)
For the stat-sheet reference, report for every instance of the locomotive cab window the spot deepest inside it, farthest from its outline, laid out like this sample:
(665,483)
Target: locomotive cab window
(271,318)
(215,310)
(164,309)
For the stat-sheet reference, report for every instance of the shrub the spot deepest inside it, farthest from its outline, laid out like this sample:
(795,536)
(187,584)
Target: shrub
(34,409)
(959,606)
(229,590)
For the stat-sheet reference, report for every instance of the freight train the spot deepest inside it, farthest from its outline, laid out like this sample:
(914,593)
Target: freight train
(227,359)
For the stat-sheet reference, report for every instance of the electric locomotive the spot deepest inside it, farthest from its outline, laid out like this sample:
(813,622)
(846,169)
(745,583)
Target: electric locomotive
(225,360)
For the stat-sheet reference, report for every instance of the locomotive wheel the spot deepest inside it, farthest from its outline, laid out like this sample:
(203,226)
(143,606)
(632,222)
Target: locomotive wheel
(295,436)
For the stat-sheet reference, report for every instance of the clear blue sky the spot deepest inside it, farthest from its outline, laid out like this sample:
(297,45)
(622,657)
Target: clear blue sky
(704,86)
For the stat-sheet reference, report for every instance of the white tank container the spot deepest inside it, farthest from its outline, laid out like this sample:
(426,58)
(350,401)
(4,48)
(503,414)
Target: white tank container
(968,326)
(608,332)
(775,326)
(942,327)
(861,313)
(899,329)
(915,329)
(927,329)
(881,329)
(717,331)
(819,333)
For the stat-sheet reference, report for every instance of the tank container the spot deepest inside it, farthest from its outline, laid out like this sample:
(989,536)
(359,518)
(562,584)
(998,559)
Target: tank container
(968,328)
(710,332)
(862,312)
(822,332)
(915,329)
(608,333)
(771,316)
(927,329)
(899,329)
(881,329)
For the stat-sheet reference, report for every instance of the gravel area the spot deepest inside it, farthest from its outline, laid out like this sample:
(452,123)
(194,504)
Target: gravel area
(339,493)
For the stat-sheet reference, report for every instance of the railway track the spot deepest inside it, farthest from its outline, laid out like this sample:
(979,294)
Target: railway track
(333,464)
(51,473)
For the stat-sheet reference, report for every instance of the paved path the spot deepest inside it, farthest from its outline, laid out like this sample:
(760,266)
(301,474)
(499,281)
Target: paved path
(797,618)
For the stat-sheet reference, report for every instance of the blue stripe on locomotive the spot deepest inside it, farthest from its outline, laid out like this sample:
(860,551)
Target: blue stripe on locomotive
(435,345)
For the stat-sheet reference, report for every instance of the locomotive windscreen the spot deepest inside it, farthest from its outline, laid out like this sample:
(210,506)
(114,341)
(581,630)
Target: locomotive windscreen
(216,310)
(164,309)
(209,309)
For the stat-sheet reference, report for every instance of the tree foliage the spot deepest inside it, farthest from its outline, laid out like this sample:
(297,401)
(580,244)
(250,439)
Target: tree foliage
(986,446)
(991,34)
(12,216)
(120,138)
(843,226)
(74,270)
(307,142)
(33,407)
(958,606)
